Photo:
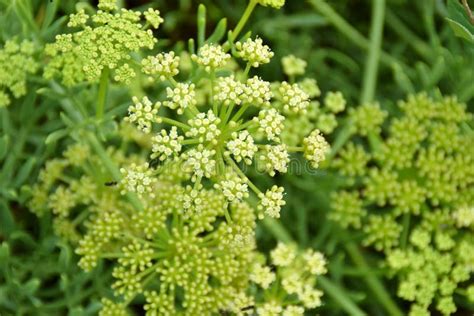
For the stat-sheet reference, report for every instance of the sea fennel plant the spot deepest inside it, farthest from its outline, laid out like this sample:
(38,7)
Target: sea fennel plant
(411,193)
(178,226)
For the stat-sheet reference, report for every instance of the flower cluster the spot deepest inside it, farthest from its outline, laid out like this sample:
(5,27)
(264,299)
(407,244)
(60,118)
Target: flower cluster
(17,62)
(277,4)
(185,239)
(421,174)
(254,52)
(294,276)
(221,121)
(293,66)
(297,126)
(103,43)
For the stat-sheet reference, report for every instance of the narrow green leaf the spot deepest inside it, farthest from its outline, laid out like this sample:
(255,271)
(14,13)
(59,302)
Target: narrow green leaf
(191,46)
(6,219)
(31,286)
(67,120)
(460,30)
(51,9)
(53,29)
(8,193)
(27,107)
(65,257)
(457,12)
(219,32)
(201,24)
(402,80)
(4,252)
(26,16)
(4,145)
(55,136)
(24,172)
(77,311)
(22,237)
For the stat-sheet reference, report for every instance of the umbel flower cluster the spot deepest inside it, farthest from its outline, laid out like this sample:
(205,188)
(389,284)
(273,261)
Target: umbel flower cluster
(412,194)
(215,122)
(176,225)
(100,44)
(170,261)
(17,62)
(297,127)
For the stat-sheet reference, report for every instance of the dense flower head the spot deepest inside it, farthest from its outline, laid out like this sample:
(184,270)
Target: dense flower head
(270,123)
(229,91)
(107,5)
(204,127)
(367,118)
(315,148)
(424,182)
(137,178)
(211,57)
(293,66)
(257,92)
(277,4)
(166,144)
(103,43)
(233,187)
(164,65)
(293,98)
(180,97)
(242,147)
(335,102)
(283,255)
(153,17)
(17,63)
(272,201)
(294,275)
(254,52)
(274,159)
(143,113)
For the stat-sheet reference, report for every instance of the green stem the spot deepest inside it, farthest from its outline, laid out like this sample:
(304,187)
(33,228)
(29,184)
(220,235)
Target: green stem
(372,281)
(201,22)
(295,149)
(230,108)
(246,125)
(408,36)
(371,69)
(102,95)
(243,20)
(169,121)
(236,168)
(111,167)
(406,230)
(247,70)
(348,30)
(240,112)
(338,294)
